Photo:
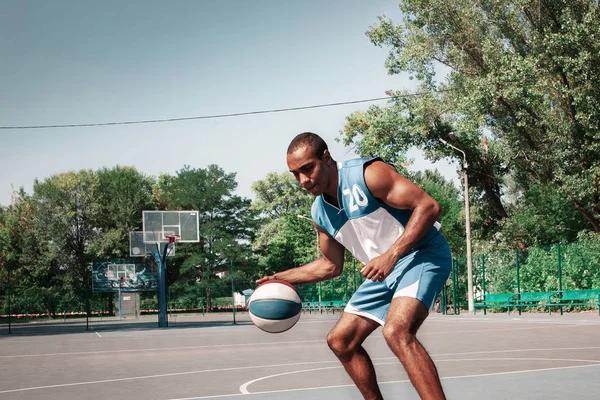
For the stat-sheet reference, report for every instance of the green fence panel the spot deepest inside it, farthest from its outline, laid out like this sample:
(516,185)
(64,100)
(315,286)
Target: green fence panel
(580,264)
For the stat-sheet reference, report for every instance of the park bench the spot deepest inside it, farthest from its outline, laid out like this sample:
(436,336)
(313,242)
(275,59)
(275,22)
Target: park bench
(335,305)
(310,306)
(587,297)
(536,299)
(328,305)
(492,300)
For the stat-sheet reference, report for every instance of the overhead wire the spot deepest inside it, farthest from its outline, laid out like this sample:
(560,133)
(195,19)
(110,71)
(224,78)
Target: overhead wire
(153,121)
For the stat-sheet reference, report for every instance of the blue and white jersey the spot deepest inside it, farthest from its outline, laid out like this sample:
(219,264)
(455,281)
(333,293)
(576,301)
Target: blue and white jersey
(362,224)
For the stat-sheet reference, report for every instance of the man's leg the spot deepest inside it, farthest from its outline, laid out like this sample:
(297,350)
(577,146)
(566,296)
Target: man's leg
(404,318)
(345,339)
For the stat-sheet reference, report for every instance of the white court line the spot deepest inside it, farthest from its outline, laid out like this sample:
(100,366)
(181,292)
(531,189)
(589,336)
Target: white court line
(157,376)
(494,330)
(244,386)
(514,351)
(318,321)
(384,383)
(523,320)
(252,344)
(119,336)
(269,366)
(161,348)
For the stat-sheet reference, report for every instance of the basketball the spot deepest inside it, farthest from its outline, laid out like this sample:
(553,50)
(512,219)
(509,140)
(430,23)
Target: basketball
(275,306)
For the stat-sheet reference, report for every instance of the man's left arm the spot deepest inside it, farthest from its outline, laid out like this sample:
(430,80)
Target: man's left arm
(393,189)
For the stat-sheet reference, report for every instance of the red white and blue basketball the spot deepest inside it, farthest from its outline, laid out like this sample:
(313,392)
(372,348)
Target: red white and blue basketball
(275,306)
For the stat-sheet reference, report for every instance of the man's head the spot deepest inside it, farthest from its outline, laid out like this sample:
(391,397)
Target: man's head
(312,140)
(309,160)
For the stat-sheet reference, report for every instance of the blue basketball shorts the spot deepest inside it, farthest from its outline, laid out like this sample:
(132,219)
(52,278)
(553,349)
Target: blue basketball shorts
(421,274)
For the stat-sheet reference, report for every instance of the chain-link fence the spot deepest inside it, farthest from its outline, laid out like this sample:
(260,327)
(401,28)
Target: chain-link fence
(574,266)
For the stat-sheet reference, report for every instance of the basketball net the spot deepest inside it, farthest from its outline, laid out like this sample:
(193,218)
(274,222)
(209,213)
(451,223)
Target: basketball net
(172,240)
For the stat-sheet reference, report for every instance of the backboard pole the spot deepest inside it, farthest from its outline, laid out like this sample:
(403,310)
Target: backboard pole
(163,322)
(9,308)
(158,226)
(162,288)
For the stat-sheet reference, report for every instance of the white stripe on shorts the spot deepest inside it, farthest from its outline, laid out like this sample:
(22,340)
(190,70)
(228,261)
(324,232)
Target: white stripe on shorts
(353,310)
(409,291)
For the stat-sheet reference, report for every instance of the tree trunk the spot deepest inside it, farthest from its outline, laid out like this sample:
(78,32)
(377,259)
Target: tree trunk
(491,190)
(594,221)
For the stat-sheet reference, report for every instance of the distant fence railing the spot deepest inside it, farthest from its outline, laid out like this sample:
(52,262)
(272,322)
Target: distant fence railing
(561,267)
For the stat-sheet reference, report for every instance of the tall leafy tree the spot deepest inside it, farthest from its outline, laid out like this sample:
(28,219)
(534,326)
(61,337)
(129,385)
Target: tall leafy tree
(225,219)
(540,216)
(124,193)
(520,96)
(278,194)
(283,238)
(67,213)
(30,260)
(448,197)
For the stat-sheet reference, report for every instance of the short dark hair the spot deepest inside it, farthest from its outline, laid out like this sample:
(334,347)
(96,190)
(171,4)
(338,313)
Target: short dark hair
(312,140)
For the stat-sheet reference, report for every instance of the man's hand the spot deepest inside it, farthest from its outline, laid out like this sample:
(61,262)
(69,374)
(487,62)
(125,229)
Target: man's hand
(378,268)
(264,279)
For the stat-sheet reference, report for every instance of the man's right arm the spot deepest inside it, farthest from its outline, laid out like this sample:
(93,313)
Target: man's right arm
(329,266)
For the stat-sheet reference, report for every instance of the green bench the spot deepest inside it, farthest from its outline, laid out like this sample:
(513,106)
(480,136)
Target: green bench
(309,306)
(334,305)
(328,305)
(492,300)
(587,297)
(536,299)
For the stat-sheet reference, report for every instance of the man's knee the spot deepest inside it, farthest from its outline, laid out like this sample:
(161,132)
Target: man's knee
(404,320)
(399,336)
(340,343)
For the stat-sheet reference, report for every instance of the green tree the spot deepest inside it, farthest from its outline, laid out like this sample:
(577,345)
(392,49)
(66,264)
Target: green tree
(124,193)
(581,263)
(30,260)
(280,194)
(540,216)
(449,198)
(67,212)
(226,226)
(283,238)
(521,96)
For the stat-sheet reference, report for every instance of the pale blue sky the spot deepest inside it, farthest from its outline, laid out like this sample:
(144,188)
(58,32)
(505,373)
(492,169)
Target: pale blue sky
(73,62)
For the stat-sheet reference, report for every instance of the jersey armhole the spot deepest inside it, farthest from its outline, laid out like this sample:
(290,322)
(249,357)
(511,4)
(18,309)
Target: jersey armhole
(365,165)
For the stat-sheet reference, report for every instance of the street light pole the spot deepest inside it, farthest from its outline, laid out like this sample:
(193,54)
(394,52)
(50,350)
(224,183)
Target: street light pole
(318,251)
(232,288)
(9,295)
(470,299)
(120,299)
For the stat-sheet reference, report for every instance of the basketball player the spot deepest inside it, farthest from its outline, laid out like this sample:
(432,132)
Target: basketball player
(389,224)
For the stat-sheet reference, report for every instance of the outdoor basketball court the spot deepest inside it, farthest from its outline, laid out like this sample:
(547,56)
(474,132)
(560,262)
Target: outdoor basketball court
(202,357)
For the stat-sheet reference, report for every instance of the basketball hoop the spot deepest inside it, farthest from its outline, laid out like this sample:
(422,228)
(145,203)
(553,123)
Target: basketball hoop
(172,238)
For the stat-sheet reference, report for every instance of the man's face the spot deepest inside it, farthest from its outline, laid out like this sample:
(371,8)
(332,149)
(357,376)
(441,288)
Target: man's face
(309,170)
